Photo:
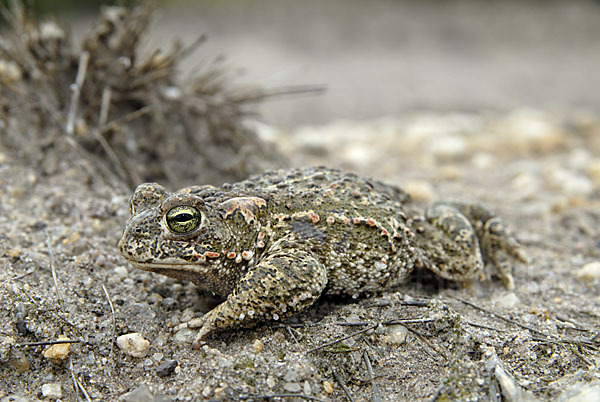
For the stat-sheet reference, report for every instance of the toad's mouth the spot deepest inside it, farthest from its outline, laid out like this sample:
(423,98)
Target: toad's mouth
(176,269)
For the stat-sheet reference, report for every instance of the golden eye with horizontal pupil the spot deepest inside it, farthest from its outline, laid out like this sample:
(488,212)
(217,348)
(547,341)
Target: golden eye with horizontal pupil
(183,219)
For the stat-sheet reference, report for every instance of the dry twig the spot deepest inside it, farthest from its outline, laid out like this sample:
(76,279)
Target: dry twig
(271,396)
(343,385)
(59,298)
(343,338)
(376,396)
(114,322)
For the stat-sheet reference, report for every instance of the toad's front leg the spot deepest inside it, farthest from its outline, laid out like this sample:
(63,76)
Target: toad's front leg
(287,280)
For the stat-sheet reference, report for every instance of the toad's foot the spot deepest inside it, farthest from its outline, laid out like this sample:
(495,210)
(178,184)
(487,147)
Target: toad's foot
(286,281)
(457,239)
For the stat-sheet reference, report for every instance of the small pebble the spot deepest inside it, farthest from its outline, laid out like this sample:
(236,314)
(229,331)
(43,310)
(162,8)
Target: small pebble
(593,171)
(52,390)
(589,272)
(448,146)
(270,381)
(569,182)
(20,362)
(59,351)
(121,272)
(279,336)
(397,334)
(419,190)
(507,301)
(292,387)
(166,368)
(184,336)
(290,376)
(258,345)
(133,344)
(306,389)
(449,172)
(13,252)
(207,391)
(328,387)
(530,131)
(140,394)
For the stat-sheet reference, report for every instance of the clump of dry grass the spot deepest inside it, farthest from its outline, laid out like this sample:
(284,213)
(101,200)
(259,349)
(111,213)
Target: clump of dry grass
(125,112)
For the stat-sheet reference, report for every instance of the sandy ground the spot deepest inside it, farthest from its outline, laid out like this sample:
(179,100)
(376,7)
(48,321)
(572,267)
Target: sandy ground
(428,340)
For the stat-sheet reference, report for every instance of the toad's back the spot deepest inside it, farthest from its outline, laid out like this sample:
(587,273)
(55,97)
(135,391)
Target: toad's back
(355,226)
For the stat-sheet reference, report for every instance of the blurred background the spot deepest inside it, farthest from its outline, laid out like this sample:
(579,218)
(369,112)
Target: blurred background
(388,57)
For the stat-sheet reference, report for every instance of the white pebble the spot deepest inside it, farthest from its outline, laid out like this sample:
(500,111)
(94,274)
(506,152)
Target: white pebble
(292,387)
(121,272)
(397,334)
(589,272)
(307,390)
(507,301)
(207,391)
(419,190)
(184,336)
(569,182)
(52,390)
(133,344)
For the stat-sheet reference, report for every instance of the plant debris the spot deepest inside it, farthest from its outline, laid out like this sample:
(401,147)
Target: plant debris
(124,110)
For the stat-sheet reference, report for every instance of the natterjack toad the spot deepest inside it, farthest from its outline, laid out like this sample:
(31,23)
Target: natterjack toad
(275,242)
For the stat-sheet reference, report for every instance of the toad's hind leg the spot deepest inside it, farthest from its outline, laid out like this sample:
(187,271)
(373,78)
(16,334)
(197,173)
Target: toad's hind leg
(448,243)
(286,281)
(477,234)
(498,246)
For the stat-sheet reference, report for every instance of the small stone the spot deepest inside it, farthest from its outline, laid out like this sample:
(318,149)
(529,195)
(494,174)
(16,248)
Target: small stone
(59,351)
(20,362)
(589,272)
(184,336)
(483,160)
(13,252)
(306,389)
(397,334)
(52,390)
(219,391)
(9,72)
(419,190)
(526,184)
(257,345)
(121,272)
(530,131)
(593,171)
(507,301)
(290,376)
(569,182)
(270,381)
(207,391)
(449,172)
(328,387)
(292,387)
(166,368)
(448,146)
(133,344)
(140,394)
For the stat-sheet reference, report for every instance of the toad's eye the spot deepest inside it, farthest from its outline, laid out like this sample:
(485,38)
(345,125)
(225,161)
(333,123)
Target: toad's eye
(183,219)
